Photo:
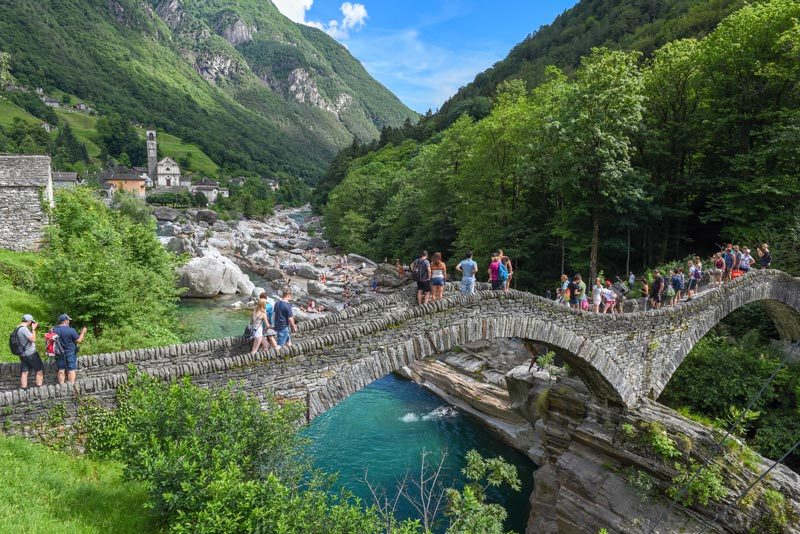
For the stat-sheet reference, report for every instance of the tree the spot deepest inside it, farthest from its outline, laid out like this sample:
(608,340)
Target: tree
(5,64)
(68,149)
(468,510)
(606,104)
(120,140)
(97,263)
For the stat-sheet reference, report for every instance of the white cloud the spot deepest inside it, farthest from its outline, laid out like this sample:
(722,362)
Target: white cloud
(354,17)
(295,10)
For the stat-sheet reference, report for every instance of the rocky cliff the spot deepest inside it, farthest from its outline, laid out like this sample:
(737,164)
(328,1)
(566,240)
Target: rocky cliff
(602,466)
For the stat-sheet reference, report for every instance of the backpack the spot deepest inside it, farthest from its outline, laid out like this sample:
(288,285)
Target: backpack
(415,270)
(52,345)
(502,272)
(14,343)
(697,274)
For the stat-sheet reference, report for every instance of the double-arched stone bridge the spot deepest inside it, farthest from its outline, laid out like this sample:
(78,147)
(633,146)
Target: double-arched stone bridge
(621,358)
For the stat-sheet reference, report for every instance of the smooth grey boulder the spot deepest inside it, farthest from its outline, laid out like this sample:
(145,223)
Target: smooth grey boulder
(207,216)
(305,270)
(164,213)
(179,245)
(202,277)
(272,273)
(318,289)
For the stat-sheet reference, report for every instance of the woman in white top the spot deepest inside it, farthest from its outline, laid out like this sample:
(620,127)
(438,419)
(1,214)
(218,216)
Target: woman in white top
(597,294)
(257,322)
(438,276)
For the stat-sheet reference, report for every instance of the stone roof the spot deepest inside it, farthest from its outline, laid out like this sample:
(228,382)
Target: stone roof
(120,173)
(65,176)
(24,171)
(206,184)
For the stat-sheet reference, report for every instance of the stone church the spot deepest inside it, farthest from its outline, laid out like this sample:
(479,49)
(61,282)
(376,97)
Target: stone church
(164,173)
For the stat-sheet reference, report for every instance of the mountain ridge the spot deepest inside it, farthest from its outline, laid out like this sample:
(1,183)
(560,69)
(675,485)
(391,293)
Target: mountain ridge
(199,70)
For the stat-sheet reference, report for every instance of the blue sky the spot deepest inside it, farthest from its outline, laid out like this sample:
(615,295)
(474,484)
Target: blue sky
(424,50)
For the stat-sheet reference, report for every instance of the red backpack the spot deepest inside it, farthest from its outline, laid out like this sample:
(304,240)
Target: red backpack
(51,344)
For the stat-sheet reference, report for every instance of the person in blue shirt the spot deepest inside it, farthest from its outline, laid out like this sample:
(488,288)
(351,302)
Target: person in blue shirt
(467,267)
(69,339)
(284,319)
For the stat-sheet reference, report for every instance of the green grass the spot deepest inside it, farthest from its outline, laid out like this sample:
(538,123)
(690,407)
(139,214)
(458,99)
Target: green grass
(8,111)
(83,126)
(175,148)
(14,301)
(51,492)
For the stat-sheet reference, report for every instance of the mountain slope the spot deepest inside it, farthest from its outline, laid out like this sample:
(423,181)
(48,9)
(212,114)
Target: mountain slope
(252,89)
(642,25)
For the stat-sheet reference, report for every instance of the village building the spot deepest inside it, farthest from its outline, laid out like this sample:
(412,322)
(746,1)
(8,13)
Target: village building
(51,102)
(80,106)
(125,180)
(210,189)
(63,180)
(47,127)
(26,188)
(273,185)
(169,173)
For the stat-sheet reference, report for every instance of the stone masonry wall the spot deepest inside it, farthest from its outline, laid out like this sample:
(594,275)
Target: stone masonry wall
(23,181)
(621,359)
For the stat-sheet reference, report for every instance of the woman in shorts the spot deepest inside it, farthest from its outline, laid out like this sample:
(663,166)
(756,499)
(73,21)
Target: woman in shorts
(438,276)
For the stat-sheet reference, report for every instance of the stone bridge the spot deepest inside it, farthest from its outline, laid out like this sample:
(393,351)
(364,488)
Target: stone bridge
(621,358)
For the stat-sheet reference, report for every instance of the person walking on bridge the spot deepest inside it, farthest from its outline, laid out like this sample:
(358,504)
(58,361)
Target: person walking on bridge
(438,276)
(421,271)
(467,267)
(284,319)
(68,339)
(656,289)
(506,262)
(494,273)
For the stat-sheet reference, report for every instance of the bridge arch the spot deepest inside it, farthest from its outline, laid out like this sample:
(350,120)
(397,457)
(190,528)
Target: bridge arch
(777,291)
(588,361)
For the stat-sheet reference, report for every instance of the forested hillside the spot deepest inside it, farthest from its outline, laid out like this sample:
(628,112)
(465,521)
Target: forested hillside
(643,25)
(654,157)
(252,89)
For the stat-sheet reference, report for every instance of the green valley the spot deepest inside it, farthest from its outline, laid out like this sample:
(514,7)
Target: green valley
(249,88)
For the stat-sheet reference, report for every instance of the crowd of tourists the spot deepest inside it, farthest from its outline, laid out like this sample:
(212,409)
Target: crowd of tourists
(431,274)
(604,296)
(62,343)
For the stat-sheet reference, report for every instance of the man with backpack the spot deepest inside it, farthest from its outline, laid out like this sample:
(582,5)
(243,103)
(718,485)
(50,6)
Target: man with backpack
(66,348)
(23,344)
(421,273)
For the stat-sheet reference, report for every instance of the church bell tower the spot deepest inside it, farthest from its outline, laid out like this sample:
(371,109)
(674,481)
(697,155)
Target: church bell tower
(152,156)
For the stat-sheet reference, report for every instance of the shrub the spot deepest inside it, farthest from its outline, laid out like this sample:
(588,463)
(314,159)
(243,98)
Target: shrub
(97,263)
(216,461)
(656,437)
(705,487)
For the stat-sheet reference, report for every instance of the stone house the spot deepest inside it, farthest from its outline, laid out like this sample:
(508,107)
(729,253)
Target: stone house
(51,102)
(26,186)
(125,180)
(210,189)
(169,173)
(80,106)
(47,127)
(62,180)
